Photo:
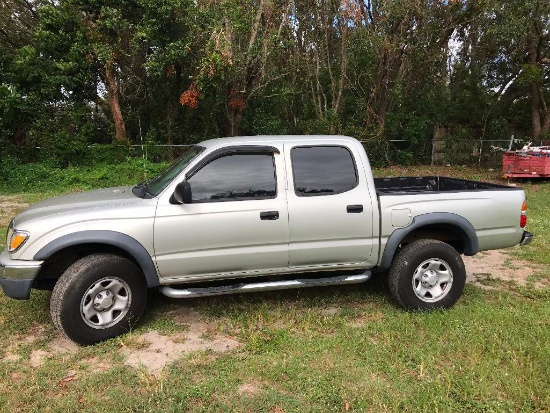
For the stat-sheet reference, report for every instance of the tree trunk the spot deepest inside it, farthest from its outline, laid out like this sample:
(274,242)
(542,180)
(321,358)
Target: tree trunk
(546,123)
(379,99)
(235,117)
(535,111)
(535,86)
(114,101)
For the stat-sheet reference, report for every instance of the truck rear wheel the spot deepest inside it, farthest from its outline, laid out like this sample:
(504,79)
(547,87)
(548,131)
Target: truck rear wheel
(427,275)
(98,297)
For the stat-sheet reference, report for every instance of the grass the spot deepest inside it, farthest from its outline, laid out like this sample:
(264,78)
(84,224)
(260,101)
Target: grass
(40,178)
(489,353)
(319,350)
(538,222)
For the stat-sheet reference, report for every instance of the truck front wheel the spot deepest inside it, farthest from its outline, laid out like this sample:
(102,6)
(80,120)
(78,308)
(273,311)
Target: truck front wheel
(98,297)
(427,275)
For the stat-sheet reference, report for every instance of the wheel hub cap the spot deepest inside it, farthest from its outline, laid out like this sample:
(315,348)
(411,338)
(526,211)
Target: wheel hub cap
(103,300)
(429,278)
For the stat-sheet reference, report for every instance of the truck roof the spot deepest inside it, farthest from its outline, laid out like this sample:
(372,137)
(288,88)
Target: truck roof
(276,139)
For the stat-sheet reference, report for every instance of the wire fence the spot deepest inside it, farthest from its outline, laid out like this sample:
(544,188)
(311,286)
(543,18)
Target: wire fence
(485,153)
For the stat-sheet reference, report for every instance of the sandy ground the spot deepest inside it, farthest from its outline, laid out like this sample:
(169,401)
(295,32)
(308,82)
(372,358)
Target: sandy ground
(9,207)
(152,351)
(149,352)
(486,266)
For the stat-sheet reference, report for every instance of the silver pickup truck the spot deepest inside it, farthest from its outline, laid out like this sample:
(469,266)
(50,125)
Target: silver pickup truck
(250,214)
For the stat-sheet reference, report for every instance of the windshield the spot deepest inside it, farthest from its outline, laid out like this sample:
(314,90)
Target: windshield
(156,185)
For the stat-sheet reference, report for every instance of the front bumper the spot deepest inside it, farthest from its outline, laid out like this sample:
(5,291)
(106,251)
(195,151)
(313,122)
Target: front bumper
(17,276)
(526,238)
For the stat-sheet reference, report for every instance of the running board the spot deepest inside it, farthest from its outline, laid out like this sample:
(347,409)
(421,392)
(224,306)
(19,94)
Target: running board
(263,286)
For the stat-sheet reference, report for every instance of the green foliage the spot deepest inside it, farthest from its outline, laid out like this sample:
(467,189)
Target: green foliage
(393,71)
(530,74)
(41,177)
(267,124)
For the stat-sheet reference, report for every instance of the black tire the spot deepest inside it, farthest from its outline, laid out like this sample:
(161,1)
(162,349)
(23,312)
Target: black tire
(98,297)
(427,275)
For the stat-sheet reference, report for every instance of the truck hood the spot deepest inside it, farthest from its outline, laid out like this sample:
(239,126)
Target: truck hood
(99,198)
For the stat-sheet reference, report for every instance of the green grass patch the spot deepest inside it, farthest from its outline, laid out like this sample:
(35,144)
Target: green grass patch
(38,177)
(538,222)
(488,353)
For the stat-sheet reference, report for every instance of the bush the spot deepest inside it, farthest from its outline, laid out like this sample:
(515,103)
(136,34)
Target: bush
(41,177)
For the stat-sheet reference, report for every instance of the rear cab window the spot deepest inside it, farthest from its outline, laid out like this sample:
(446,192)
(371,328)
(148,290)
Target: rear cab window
(323,170)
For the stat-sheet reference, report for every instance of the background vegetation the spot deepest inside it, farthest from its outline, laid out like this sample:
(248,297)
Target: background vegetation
(75,73)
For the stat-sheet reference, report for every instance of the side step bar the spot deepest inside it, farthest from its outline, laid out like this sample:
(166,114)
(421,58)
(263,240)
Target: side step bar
(264,286)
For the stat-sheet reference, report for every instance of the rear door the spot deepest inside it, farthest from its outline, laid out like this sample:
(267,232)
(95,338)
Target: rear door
(330,211)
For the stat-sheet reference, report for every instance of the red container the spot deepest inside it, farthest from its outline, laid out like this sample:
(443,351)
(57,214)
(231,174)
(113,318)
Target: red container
(526,164)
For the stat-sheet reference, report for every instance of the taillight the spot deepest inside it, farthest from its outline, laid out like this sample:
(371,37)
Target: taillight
(523,217)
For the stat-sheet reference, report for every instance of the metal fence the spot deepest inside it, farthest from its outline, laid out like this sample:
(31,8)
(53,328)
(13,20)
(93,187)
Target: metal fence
(485,153)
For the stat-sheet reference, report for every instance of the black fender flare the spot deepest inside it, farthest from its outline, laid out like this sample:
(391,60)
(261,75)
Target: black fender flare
(116,239)
(465,227)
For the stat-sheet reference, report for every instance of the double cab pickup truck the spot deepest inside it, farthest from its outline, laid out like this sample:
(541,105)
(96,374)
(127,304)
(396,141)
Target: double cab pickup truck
(251,214)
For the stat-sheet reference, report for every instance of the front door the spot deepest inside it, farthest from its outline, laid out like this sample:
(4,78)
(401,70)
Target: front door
(236,224)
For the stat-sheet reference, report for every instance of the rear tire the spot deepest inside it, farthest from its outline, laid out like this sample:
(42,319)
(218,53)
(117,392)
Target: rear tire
(97,298)
(427,275)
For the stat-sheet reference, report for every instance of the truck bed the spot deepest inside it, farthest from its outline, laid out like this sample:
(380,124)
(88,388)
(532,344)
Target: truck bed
(422,184)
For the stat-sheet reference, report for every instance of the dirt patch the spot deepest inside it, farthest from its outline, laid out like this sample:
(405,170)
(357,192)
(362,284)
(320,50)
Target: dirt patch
(61,344)
(154,351)
(366,319)
(248,389)
(94,364)
(10,206)
(33,333)
(58,345)
(330,311)
(150,351)
(38,357)
(486,267)
(10,357)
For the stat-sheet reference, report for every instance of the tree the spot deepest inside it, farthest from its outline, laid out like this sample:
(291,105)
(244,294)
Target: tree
(536,71)
(110,28)
(237,57)
(507,47)
(179,71)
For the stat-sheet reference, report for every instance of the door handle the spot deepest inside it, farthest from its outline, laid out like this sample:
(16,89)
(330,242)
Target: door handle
(354,209)
(269,215)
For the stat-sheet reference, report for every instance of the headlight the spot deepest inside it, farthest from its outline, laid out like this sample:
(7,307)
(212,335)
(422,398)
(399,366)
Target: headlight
(15,238)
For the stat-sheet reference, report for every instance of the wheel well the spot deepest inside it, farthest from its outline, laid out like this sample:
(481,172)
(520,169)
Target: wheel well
(55,265)
(448,234)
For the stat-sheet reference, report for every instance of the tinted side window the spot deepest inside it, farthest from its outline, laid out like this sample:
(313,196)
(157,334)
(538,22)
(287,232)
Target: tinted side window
(323,170)
(235,178)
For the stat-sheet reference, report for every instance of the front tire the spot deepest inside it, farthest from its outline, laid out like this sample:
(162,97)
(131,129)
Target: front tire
(427,275)
(98,297)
